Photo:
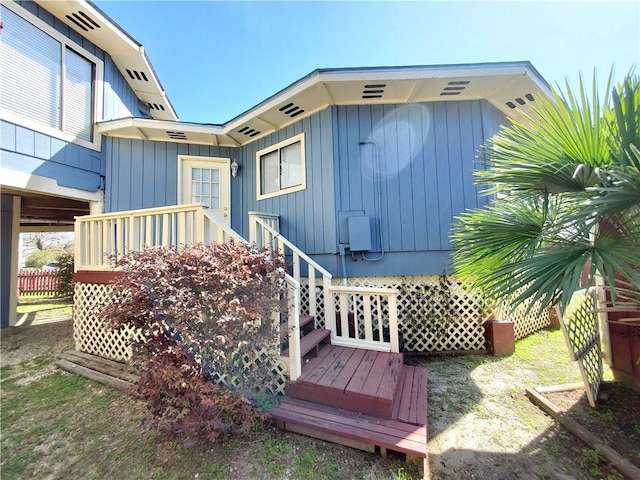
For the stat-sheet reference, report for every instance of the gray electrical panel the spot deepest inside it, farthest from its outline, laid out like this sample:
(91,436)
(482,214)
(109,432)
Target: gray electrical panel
(359,228)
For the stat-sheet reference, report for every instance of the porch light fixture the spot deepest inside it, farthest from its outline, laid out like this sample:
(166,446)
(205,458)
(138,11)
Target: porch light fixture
(234,169)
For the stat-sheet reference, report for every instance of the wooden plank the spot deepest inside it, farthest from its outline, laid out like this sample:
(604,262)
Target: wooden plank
(108,380)
(347,372)
(421,418)
(390,427)
(391,377)
(335,368)
(406,427)
(303,321)
(103,365)
(313,376)
(349,429)
(405,398)
(328,437)
(372,384)
(310,341)
(360,376)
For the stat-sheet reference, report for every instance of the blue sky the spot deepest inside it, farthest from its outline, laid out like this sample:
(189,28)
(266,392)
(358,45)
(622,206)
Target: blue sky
(218,59)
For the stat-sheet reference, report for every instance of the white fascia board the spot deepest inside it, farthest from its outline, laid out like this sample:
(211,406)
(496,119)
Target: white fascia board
(272,102)
(153,124)
(44,185)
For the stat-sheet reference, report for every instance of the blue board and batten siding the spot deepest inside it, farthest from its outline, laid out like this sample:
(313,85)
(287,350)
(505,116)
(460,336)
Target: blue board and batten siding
(144,174)
(422,157)
(425,159)
(307,217)
(71,165)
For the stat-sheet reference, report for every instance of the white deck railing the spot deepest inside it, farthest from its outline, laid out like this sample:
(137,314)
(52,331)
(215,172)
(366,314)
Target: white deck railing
(102,240)
(372,311)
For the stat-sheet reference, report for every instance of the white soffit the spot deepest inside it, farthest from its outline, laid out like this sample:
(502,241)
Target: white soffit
(127,54)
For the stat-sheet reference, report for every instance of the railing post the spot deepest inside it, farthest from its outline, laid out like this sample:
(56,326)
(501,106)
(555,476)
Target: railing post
(295,363)
(329,316)
(252,228)
(313,309)
(393,324)
(77,233)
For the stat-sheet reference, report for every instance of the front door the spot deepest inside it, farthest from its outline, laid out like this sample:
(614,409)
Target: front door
(206,180)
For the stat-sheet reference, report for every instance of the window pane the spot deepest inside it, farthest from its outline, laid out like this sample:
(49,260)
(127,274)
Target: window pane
(206,174)
(196,174)
(269,173)
(78,90)
(30,76)
(291,165)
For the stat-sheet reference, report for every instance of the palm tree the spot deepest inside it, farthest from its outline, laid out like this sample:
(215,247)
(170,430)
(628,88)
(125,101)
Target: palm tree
(566,200)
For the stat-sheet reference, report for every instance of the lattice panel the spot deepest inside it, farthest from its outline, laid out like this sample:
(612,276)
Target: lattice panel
(581,329)
(92,336)
(525,323)
(430,319)
(304,301)
(89,331)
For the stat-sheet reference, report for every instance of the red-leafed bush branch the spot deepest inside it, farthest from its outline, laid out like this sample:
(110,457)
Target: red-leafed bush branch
(207,338)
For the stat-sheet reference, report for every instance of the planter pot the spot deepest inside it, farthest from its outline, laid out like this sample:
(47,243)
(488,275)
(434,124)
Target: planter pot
(554,320)
(500,336)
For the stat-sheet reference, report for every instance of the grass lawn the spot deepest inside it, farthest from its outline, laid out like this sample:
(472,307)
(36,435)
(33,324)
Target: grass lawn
(481,425)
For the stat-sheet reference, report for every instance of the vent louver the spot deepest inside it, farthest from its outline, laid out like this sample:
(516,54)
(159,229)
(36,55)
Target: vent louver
(156,106)
(520,101)
(375,90)
(135,75)
(177,135)
(291,110)
(83,21)
(455,87)
(249,132)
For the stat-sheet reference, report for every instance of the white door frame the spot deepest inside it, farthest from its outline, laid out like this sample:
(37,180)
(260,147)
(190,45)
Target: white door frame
(223,163)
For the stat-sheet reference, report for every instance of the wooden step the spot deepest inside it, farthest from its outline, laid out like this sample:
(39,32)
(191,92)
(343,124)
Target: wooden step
(347,428)
(410,403)
(310,342)
(353,379)
(304,321)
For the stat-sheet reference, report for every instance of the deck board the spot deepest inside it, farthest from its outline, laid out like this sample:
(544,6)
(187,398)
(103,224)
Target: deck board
(362,372)
(391,434)
(334,370)
(347,373)
(316,367)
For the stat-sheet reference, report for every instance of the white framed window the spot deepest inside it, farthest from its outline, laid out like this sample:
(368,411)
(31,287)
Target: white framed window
(47,82)
(280,168)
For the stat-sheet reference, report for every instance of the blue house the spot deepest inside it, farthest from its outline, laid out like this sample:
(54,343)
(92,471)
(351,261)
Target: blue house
(364,168)
(355,174)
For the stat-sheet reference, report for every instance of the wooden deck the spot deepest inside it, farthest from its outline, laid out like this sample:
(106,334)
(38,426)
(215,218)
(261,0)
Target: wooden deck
(359,398)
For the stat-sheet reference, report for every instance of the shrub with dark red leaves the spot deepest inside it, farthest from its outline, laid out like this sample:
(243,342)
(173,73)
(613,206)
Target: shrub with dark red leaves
(208,342)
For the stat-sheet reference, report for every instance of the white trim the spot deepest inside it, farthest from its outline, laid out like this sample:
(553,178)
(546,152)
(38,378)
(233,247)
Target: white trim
(98,80)
(278,146)
(46,186)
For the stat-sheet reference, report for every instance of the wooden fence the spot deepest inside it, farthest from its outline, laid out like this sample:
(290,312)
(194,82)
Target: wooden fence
(32,281)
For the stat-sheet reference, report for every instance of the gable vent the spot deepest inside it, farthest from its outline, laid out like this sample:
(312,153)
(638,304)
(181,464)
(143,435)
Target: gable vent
(83,21)
(375,90)
(156,106)
(520,101)
(135,75)
(291,110)
(455,87)
(249,132)
(177,135)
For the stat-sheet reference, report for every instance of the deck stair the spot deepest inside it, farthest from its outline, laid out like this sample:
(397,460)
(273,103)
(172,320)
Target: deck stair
(311,338)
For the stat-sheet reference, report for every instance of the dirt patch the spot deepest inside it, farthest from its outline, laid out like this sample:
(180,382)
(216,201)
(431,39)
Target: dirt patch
(616,421)
(482,425)
(35,339)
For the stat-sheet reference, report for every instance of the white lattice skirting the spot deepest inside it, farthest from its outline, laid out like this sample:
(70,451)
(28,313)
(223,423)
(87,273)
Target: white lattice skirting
(92,336)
